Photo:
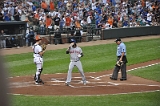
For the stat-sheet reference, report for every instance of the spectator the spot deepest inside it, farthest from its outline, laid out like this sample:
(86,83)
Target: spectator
(23,16)
(62,23)
(44,6)
(78,34)
(48,24)
(114,24)
(56,21)
(36,15)
(51,5)
(69,5)
(121,11)
(2,39)
(106,25)
(68,22)
(31,37)
(119,24)
(42,17)
(84,23)
(110,21)
(11,9)
(33,7)
(27,36)
(42,28)
(16,15)
(7,16)
(77,23)
(1,17)
(89,19)
(149,17)
(57,37)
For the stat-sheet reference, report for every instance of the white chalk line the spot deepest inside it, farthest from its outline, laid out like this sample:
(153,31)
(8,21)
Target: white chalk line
(106,74)
(22,84)
(143,67)
(97,95)
(53,80)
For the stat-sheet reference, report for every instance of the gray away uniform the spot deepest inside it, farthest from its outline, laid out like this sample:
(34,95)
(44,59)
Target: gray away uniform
(75,61)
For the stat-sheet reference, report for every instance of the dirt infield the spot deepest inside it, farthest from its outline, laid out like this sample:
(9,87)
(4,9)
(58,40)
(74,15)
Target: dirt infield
(97,83)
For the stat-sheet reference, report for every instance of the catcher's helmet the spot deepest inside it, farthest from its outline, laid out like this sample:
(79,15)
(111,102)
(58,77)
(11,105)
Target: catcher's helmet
(37,38)
(72,40)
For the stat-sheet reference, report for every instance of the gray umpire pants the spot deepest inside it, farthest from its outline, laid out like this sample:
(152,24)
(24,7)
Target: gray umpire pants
(123,72)
(122,68)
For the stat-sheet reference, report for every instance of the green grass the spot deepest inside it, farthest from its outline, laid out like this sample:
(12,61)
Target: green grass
(96,58)
(140,99)
(135,99)
(151,72)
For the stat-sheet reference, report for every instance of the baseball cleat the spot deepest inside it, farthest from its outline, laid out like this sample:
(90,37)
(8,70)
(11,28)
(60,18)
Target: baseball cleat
(37,83)
(113,78)
(84,83)
(41,81)
(67,83)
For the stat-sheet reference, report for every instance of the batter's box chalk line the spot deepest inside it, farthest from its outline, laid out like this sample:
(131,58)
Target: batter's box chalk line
(132,84)
(77,81)
(142,67)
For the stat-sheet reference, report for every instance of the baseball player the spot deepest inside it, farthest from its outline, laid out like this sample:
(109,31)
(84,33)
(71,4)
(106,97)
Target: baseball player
(121,61)
(38,60)
(75,55)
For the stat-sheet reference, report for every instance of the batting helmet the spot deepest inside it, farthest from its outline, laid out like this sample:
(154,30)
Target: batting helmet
(72,40)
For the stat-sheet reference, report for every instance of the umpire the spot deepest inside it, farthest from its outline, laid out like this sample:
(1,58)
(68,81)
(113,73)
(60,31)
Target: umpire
(121,61)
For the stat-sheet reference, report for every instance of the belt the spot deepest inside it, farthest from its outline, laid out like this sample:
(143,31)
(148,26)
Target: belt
(75,61)
(37,56)
(120,56)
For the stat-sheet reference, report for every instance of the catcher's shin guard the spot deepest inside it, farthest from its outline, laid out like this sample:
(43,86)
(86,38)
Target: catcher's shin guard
(35,77)
(39,79)
(41,70)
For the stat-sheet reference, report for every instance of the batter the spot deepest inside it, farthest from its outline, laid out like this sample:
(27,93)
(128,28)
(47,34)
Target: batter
(75,55)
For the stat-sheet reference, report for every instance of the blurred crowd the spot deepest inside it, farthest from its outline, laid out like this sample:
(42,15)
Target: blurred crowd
(44,15)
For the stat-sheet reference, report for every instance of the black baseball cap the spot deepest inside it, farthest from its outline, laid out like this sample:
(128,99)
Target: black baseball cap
(118,39)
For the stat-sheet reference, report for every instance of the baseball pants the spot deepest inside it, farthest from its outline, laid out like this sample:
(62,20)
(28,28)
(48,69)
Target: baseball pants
(39,65)
(79,66)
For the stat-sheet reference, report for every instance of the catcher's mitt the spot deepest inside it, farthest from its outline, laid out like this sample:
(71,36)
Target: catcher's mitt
(119,63)
(44,42)
(44,46)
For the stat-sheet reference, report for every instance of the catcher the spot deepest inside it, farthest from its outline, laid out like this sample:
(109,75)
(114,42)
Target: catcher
(38,50)
(121,61)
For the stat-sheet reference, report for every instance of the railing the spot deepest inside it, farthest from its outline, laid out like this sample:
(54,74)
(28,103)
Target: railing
(69,34)
(130,32)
